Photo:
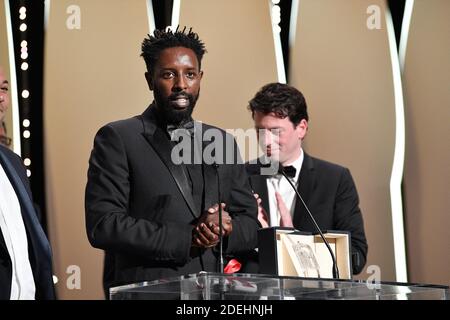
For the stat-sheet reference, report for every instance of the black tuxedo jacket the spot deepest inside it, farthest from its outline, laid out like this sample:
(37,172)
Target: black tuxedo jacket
(141,212)
(39,252)
(330,194)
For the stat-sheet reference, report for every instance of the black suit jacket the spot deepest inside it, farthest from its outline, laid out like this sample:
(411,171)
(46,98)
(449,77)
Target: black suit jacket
(139,210)
(330,194)
(39,252)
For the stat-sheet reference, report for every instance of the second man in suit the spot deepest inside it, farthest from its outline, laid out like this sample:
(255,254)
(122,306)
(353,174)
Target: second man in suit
(280,115)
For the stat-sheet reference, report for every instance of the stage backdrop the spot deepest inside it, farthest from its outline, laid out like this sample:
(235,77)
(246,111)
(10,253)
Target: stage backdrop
(426,82)
(93,75)
(344,70)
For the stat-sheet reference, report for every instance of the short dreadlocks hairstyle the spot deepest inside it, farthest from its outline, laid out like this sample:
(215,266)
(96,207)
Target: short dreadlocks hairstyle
(162,39)
(281,99)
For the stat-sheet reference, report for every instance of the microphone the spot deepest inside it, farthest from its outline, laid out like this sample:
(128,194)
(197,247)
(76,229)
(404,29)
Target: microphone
(335,267)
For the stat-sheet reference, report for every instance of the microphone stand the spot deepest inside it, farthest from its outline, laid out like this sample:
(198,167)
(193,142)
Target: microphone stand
(222,283)
(335,267)
(220,221)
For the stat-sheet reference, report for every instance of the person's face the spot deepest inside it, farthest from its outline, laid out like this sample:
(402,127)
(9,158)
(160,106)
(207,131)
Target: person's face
(175,82)
(278,137)
(4,97)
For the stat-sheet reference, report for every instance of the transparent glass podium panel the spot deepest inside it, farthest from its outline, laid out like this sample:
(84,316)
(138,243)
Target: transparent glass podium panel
(215,286)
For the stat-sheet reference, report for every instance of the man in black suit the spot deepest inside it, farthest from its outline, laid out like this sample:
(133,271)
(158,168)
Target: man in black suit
(280,115)
(25,254)
(155,215)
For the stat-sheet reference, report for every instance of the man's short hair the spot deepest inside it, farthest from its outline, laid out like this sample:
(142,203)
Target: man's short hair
(281,99)
(162,39)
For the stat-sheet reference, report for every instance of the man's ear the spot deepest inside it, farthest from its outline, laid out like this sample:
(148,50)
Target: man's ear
(148,77)
(302,129)
(201,74)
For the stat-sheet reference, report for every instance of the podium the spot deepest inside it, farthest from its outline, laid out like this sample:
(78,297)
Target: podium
(215,286)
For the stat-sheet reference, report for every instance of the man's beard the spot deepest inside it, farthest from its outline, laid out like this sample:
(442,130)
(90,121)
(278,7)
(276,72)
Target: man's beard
(170,114)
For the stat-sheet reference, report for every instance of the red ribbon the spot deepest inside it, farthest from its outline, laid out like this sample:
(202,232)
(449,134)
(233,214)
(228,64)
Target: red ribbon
(232,266)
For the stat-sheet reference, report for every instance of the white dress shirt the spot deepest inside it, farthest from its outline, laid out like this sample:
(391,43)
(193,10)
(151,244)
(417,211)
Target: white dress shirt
(14,234)
(279,183)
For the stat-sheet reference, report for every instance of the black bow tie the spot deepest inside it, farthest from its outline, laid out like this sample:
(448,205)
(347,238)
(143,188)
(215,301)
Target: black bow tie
(187,127)
(290,171)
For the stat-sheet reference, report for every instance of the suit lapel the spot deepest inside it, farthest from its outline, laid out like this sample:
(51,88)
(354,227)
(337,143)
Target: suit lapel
(210,173)
(305,187)
(161,145)
(259,185)
(211,186)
